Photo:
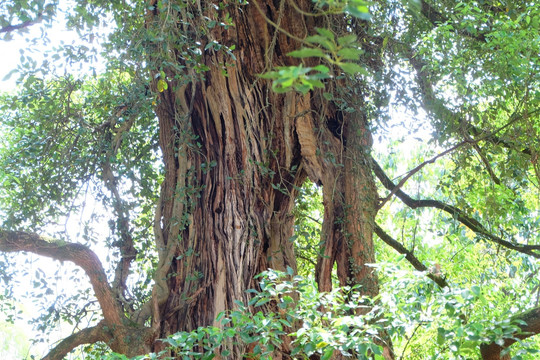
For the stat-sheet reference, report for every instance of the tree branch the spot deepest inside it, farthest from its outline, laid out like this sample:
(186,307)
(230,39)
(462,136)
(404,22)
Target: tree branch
(416,169)
(86,336)
(435,106)
(16,241)
(25,24)
(529,324)
(458,214)
(417,264)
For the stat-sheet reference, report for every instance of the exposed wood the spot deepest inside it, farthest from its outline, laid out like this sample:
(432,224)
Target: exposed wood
(234,154)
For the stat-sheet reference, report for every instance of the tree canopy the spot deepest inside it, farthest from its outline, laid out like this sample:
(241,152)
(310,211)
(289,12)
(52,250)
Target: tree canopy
(275,179)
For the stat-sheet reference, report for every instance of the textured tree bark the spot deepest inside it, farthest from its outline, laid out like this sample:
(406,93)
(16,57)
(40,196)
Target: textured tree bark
(234,152)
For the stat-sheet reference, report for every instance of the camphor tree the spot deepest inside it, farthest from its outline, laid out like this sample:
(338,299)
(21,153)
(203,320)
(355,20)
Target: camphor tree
(244,101)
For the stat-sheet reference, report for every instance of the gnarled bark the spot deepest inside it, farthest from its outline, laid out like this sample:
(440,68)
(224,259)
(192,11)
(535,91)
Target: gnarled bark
(234,154)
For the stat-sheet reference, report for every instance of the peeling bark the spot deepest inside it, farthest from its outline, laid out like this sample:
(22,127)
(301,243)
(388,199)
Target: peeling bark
(234,154)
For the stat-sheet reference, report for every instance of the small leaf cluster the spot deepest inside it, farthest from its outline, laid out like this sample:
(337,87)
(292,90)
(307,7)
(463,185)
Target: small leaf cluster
(343,52)
(319,324)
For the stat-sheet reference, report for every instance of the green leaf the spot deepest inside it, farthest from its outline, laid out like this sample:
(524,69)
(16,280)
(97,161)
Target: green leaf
(326,33)
(323,41)
(347,39)
(162,85)
(441,335)
(327,354)
(350,53)
(307,52)
(9,74)
(352,68)
(358,11)
(321,68)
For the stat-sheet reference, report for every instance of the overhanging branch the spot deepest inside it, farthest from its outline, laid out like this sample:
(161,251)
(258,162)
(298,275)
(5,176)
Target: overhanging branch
(436,18)
(17,241)
(416,169)
(458,214)
(436,107)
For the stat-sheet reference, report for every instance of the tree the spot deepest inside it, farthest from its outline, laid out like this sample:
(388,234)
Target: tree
(251,99)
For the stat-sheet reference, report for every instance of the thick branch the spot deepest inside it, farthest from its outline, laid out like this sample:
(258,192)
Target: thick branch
(458,214)
(15,241)
(25,24)
(87,336)
(529,326)
(441,281)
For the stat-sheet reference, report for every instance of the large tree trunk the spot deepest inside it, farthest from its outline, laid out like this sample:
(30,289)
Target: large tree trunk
(234,151)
